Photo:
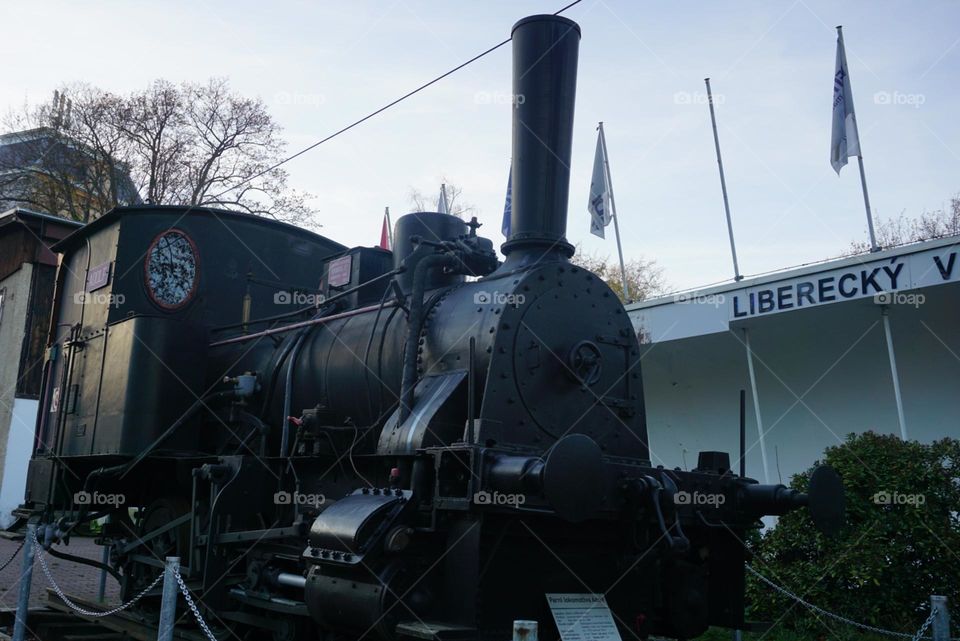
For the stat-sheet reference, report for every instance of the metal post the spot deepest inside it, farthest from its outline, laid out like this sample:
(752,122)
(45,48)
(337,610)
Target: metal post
(168,602)
(613,207)
(941,620)
(525,630)
(874,247)
(756,406)
(893,371)
(743,433)
(723,184)
(26,575)
(102,588)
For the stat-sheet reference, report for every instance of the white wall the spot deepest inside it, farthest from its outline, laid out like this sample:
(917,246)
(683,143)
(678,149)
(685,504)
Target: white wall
(19,447)
(832,357)
(12,323)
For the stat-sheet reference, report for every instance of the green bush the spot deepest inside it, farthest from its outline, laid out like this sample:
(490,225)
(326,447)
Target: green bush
(901,542)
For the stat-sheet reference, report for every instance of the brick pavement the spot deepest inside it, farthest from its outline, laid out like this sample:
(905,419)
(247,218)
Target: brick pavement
(73,578)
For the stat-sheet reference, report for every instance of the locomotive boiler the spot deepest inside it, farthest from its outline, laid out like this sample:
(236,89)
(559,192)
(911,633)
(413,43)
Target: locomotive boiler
(347,443)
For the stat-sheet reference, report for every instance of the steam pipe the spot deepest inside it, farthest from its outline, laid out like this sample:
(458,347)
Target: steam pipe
(409,379)
(288,393)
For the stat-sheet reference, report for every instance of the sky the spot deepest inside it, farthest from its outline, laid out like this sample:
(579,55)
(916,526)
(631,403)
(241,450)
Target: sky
(319,66)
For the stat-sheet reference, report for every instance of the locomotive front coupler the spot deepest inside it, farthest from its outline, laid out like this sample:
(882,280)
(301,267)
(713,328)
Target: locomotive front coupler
(716,497)
(824,499)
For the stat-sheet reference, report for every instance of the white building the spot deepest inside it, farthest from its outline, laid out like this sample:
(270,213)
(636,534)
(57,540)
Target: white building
(822,367)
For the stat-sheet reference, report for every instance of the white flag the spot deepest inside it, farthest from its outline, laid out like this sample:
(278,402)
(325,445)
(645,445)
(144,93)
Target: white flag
(599,204)
(442,206)
(845,141)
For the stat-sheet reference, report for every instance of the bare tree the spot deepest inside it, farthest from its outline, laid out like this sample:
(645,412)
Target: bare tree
(456,205)
(66,158)
(644,276)
(153,123)
(893,232)
(189,144)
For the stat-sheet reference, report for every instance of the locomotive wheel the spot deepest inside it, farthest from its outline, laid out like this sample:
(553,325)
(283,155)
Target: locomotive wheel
(296,629)
(175,542)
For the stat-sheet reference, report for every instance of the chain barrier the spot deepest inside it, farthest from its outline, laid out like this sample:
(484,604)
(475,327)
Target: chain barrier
(863,626)
(88,613)
(104,613)
(926,624)
(193,607)
(917,636)
(13,556)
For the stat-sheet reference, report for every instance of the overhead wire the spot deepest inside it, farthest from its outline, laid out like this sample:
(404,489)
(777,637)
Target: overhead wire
(390,104)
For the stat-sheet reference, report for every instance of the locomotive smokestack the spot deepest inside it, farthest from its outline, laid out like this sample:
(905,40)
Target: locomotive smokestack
(544,87)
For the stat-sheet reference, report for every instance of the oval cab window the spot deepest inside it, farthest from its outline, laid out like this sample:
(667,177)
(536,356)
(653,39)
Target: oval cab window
(171,269)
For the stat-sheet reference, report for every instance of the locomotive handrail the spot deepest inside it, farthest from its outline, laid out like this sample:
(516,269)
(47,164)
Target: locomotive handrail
(292,326)
(337,296)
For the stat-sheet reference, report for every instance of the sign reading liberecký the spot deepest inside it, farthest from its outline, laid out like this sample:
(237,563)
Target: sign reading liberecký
(861,280)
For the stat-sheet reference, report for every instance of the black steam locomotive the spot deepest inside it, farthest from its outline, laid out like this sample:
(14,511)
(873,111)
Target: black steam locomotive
(420,447)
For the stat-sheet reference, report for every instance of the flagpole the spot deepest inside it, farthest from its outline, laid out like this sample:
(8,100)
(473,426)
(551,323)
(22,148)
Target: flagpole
(386,212)
(863,177)
(613,207)
(866,202)
(723,184)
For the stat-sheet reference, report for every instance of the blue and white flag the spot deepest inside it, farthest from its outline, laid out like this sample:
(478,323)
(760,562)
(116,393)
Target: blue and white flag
(845,141)
(508,205)
(599,204)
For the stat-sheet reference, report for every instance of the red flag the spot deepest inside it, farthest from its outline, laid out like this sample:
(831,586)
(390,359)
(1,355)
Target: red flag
(384,237)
